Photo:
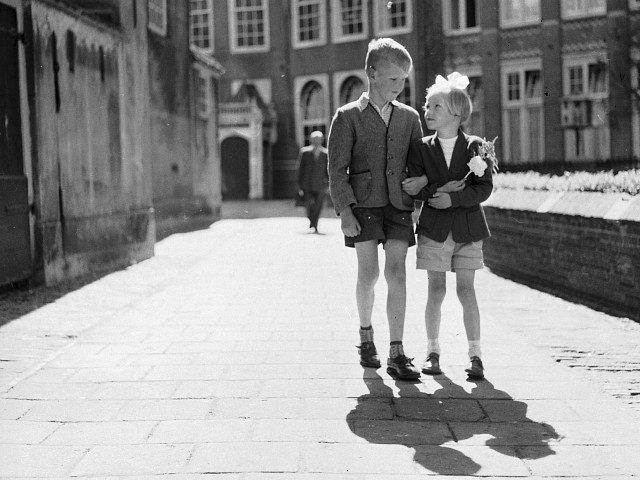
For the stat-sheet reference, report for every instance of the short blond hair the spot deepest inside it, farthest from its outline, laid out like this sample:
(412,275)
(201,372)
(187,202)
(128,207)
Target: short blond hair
(457,100)
(390,50)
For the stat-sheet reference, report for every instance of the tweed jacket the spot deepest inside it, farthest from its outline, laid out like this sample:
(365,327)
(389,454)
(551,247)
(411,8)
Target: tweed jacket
(465,219)
(312,171)
(367,159)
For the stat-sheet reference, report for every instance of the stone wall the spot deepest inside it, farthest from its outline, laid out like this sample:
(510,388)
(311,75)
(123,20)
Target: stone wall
(582,246)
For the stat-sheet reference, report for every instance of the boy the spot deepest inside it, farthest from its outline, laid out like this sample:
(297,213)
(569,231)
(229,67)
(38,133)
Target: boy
(368,143)
(452,224)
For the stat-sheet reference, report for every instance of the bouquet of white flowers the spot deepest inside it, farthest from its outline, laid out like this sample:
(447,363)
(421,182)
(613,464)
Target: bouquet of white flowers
(478,163)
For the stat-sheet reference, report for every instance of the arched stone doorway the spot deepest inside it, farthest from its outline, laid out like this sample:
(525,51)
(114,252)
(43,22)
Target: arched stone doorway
(235,168)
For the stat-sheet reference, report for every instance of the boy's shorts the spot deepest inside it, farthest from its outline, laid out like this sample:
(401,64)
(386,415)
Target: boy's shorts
(382,224)
(448,255)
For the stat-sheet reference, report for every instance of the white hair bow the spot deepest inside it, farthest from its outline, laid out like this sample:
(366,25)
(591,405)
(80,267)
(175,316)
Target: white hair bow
(453,80)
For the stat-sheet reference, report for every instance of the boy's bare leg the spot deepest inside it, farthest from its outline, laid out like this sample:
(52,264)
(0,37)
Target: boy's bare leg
(396,277)
(368,272)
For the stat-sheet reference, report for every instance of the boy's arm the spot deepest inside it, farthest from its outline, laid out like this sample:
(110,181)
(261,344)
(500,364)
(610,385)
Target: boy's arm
(340,143)
(300,169)
(416,169)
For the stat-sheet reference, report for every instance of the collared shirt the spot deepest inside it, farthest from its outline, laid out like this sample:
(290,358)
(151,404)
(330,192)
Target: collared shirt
(384,112)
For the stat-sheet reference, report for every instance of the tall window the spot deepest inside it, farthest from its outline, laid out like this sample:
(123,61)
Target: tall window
(203,94)
(583,8)
(392,18)
(157,21)
(475,124)
(351,90)
(350,20)
(586,78)
(201,24)
(249,21)
(460,16)
(515,13)
(313,111)
(309,23)
(523,119)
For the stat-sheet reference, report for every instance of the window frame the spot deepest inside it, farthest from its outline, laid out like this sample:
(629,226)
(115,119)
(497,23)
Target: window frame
(446,20)
(378,5)
(299,84)
(338,80)
(567,14)
(157,29)
(336,23)
(201,73)
(233,30)
(583,61)
(209,12)
(295,31)
(523,20)
(634,5)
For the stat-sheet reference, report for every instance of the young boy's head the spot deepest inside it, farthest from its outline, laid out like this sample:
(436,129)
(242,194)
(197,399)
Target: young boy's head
(388,65)
(447,104)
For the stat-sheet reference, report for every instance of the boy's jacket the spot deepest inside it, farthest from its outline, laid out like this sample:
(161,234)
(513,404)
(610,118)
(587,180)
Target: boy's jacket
(465,219)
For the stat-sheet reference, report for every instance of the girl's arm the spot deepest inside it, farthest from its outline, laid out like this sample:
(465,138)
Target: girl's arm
(478,189)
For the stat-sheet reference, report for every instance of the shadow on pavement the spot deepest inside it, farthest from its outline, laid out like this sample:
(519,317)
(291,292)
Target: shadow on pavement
(426,422)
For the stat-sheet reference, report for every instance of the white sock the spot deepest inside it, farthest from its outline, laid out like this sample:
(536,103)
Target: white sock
(433,346)
(474,349)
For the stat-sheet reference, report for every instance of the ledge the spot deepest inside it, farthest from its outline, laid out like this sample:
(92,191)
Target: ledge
(607,206)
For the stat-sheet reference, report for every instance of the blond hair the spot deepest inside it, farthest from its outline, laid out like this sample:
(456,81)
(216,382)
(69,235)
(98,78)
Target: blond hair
(390,50)
(457,100)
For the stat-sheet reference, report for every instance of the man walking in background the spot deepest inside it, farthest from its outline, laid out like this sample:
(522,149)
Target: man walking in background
(313,180)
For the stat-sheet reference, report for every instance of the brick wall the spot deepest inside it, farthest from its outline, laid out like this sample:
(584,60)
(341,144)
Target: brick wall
(594,260)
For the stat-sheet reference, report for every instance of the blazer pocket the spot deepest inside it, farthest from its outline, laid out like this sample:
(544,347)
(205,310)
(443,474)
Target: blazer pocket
(361,185)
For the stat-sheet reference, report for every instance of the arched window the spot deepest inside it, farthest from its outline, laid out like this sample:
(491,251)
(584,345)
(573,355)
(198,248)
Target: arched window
(312,104)
(351,89)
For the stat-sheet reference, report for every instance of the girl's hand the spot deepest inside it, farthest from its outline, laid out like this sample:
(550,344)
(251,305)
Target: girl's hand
(452,186)
(413,185)
(440,201)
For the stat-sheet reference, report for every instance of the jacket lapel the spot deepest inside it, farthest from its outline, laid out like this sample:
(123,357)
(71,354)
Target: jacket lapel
(459,157)
(440,162)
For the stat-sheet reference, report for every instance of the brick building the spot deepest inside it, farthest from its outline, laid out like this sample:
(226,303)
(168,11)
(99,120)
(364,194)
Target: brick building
(532,64)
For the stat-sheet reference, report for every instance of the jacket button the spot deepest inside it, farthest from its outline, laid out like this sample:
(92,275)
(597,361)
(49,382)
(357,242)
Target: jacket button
(389,172)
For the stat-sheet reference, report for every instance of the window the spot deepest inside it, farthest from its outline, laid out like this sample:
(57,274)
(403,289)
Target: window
(309,23)
(201,24)
(349,20)
(515,13)
(475,124)
(392,18)
(351,90)
(311,106)
(634,4)
(522,112)
(460,16)
(249,21)
(203,100)
(157,10)
(583,8)
(586,78)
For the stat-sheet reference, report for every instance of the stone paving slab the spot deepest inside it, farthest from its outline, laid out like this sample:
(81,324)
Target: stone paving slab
(230,355)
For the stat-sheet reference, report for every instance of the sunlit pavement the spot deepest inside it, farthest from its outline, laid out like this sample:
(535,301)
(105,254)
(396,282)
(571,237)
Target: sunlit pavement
(232,352)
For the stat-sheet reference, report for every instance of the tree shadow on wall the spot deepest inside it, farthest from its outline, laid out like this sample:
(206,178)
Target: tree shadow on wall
(426,422)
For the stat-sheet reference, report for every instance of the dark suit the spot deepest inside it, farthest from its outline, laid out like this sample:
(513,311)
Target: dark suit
(465,219)
(313,179)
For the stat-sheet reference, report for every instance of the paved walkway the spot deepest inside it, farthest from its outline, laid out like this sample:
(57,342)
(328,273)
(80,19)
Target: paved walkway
(230,355)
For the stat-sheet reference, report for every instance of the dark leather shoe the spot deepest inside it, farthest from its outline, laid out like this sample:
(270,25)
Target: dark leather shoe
(431,365)
(402,368)
(475,368)
(369,355)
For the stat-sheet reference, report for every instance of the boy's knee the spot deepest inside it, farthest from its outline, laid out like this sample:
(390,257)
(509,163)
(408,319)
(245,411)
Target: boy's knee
(368,275)
(395,272)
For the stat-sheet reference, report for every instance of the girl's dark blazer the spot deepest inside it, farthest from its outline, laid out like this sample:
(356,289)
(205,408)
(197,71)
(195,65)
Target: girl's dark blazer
(465,219)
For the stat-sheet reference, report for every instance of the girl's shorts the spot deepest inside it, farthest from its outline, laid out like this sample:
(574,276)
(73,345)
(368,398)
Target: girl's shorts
(448,255)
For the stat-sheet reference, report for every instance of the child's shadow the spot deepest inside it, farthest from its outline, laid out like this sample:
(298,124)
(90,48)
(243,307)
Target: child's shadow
(426,422)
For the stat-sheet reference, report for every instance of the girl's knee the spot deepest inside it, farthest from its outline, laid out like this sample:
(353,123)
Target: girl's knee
(465,290)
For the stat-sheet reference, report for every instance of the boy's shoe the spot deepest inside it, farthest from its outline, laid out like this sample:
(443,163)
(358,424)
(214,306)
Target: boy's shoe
(402,368)
(368,355)
(431,365)
(475,368)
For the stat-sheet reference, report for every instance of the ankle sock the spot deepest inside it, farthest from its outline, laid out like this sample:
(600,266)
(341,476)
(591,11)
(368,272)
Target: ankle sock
(395,349)
(433,346)
(474,349)
(366,334)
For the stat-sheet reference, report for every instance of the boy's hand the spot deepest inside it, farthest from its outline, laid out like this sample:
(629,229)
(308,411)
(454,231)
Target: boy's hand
(349,223)
(440,200)
(413,185)
(452,186)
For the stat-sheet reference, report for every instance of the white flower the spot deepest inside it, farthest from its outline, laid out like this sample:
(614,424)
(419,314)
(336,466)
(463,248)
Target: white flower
(477,165)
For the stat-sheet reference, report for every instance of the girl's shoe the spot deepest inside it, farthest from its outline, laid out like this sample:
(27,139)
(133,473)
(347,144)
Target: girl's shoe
(431,365)
(475,368)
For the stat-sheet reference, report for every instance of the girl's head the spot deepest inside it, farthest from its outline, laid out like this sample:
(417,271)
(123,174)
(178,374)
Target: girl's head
(453,100)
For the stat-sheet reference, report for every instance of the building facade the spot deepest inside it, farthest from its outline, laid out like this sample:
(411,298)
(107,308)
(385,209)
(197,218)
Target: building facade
(551,79)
